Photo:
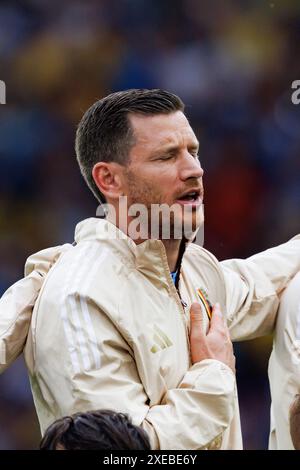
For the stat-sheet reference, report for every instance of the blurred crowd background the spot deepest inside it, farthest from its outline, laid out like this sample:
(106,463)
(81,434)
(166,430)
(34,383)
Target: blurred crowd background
(232,63)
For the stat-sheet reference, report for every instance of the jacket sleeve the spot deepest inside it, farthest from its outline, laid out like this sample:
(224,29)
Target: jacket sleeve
(191,416)
(17,303)
(194,415)
(254,286)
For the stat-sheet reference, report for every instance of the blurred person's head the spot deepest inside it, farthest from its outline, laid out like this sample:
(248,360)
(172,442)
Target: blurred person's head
(95,430)
(295,422)
(139,144)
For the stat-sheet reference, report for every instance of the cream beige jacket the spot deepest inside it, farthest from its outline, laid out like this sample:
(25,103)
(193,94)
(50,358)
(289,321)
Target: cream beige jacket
(109,330)
(284,366)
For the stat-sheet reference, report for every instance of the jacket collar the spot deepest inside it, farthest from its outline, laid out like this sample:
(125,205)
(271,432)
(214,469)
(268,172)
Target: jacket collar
(148,257)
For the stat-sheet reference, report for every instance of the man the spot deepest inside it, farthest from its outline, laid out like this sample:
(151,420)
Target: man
(109,306)
(284,371)
(95,430)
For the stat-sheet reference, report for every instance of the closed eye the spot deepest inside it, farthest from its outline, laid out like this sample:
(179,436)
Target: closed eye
(169,156)
(194,151)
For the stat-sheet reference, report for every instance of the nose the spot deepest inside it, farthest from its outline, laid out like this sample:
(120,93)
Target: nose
(190,167)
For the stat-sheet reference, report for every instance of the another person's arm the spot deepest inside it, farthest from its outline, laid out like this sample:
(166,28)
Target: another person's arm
(254,286)
(17,303)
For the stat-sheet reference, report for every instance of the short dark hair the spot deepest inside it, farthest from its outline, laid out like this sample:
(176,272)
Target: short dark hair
(104,134)
(95,430)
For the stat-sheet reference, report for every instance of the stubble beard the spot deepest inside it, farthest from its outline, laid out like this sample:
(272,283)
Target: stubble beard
(141,191)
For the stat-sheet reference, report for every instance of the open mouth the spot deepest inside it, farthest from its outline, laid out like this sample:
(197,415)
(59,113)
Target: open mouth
(191,197)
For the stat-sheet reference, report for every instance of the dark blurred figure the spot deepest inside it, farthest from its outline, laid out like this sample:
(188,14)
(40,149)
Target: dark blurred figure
(95,430)
(295,422)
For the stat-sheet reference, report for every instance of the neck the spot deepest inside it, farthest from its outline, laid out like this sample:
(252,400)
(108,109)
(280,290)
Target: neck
(172,248)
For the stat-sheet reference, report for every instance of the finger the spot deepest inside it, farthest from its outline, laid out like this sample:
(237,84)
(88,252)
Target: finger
(196,319)
(217,320)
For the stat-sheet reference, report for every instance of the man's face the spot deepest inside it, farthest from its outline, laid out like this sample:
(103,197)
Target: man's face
(164,167)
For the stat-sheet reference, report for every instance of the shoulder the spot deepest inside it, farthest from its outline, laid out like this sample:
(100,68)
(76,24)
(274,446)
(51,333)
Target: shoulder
(196,254)
(88,271)
(289,310)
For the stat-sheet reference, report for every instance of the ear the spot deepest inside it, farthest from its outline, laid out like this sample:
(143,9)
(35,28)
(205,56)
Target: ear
(107,177)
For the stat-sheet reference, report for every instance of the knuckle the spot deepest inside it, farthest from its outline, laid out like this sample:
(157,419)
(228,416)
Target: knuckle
(196,318)
(220,330)
(224,336)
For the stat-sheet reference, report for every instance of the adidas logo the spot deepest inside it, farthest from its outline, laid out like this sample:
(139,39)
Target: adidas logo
(161,341)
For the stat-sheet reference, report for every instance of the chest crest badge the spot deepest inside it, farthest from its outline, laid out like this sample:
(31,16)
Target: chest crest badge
(203,297)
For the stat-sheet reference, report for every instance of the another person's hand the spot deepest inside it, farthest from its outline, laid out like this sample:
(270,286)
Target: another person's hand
(216,344)
(295,422)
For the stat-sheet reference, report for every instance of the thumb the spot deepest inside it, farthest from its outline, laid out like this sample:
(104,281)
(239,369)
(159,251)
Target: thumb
(196,317)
